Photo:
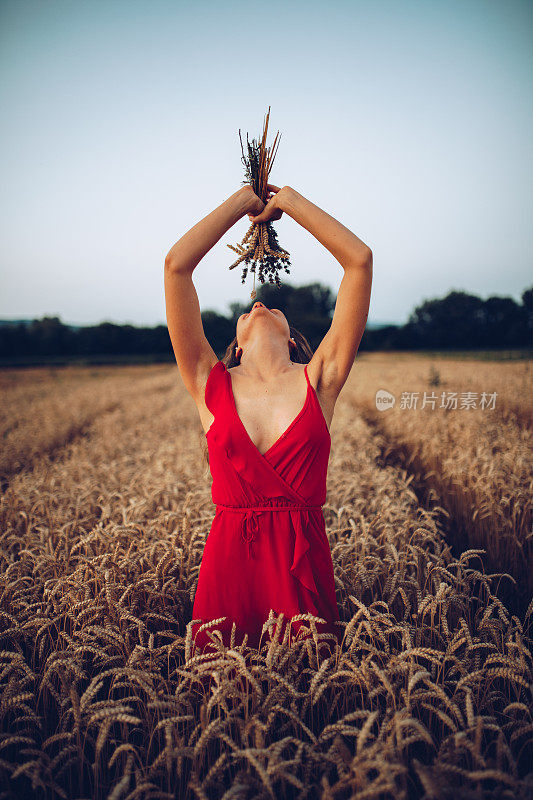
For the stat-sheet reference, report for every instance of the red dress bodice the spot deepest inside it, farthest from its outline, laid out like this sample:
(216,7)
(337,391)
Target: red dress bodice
(267,547)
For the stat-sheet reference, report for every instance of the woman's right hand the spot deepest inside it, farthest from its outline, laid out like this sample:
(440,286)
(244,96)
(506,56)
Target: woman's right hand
(272,209)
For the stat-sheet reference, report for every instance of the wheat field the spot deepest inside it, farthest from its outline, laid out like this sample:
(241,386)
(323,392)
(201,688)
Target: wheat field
(105,509)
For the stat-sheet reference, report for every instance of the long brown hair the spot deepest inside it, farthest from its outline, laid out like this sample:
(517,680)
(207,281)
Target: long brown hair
(300,353)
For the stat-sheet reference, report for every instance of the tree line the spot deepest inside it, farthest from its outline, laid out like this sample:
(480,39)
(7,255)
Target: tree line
(457,321)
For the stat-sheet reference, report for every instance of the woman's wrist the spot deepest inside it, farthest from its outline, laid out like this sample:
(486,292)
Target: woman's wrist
(285,198)
(238,202)
(247,197)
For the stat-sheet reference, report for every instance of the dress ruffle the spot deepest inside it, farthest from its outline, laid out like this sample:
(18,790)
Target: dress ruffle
(301,565)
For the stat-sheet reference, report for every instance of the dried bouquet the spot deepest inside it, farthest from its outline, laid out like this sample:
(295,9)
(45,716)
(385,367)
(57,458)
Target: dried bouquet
(260,244)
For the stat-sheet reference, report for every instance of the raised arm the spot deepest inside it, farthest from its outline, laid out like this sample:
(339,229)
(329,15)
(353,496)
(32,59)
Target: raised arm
(334,356)
(194,355)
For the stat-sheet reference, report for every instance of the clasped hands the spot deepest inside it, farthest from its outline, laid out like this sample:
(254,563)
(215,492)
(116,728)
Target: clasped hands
(260,212)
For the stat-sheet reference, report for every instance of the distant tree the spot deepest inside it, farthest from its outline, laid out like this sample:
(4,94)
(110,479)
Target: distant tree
(218,329)
(106,338)
(49,336)
(527,302)
(459,320)
(504,323)
(15,340)
(385,338)
(453,321)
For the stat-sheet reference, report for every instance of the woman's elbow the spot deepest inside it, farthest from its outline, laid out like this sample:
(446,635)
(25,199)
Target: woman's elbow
(170,262)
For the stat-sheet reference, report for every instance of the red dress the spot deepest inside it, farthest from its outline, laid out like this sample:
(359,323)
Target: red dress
(267,547)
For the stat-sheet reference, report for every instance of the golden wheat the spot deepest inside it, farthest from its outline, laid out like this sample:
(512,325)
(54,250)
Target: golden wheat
(101,692)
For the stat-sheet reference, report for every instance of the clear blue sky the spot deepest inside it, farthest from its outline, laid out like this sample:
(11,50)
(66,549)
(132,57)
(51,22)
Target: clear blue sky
(408,121)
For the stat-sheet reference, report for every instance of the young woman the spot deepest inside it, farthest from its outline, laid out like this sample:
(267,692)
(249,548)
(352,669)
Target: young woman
(266,409)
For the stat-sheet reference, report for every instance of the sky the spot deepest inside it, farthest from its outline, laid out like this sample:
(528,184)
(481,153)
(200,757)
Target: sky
(410,122)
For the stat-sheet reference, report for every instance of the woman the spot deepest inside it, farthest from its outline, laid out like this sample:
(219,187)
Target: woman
(266,410)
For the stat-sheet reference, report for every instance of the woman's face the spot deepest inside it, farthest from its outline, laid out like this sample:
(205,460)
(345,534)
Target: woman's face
(261,318)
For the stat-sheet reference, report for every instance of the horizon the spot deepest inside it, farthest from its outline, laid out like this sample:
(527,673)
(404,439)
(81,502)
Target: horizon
(14,320)
(370,322)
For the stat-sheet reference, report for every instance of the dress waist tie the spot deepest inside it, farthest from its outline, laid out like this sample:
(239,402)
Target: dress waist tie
(249,525)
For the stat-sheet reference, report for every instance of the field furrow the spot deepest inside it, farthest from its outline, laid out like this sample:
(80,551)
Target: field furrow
(476,462)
